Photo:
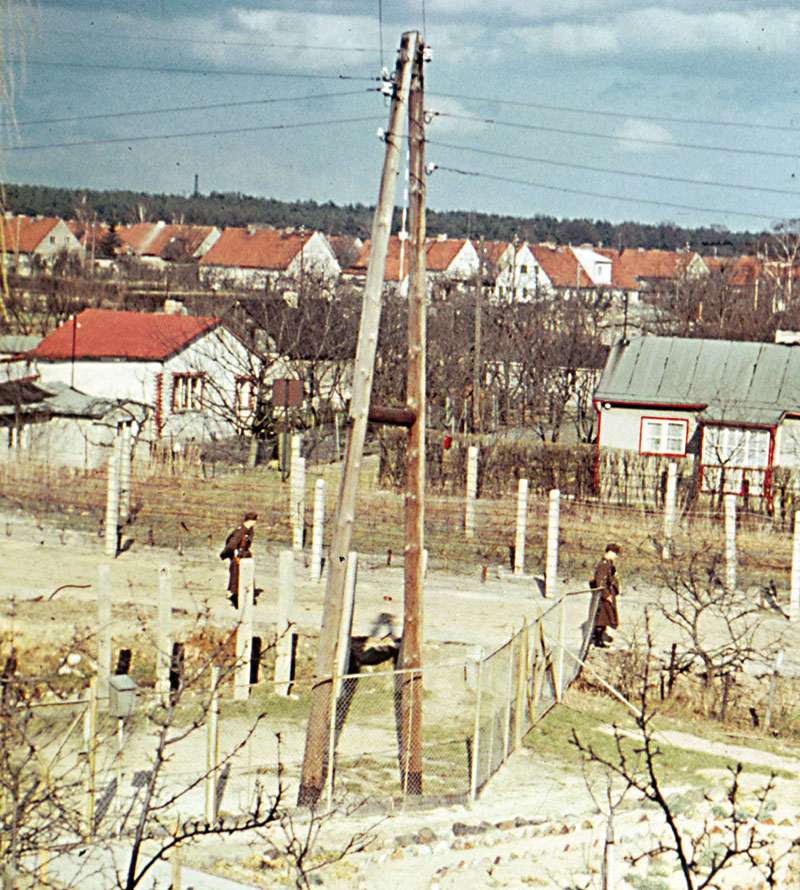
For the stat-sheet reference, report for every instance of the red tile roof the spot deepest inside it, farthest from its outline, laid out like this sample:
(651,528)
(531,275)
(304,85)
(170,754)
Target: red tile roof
(84,231)
(23,234)
(493,251)
(256,248)
(104,333)
(620,277)
(439,254)
(655,263)
(561,266)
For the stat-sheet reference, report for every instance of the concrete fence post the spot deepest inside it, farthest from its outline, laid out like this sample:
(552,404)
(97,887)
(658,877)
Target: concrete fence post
(125,473)
(670,505)
(551,569)
(317,531)
(244,631)
(164,631)
(284,648)
(346,626)
(112,500)
(472,491)
(297,487)
(212,747)
(730,542)
(103,630)
(522,515)
(794,597)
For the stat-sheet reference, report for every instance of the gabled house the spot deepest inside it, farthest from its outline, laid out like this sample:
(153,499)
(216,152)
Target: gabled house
(255,257)
(565,274)
(28,241)
(55,425)
(513,272)
(654,268)
(160,243)
(451,260)
(731,409)
(194,374)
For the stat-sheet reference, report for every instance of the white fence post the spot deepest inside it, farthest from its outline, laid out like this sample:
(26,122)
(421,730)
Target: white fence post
(244,632)
(212,748)
(670,503)
(472,491)
(346,626)
(476,733)
(125,473)
(297,487)
(112,500)
(558,666)
(551,569)
(164,631)
(283,629)
(730,542)
(522,515)
(317,531)
(794,598)
(103,630)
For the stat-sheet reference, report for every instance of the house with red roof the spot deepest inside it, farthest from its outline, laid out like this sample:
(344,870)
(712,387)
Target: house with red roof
(26,241)
(160,242)
(255,257)
(652,268)
(194,373)
(513,272)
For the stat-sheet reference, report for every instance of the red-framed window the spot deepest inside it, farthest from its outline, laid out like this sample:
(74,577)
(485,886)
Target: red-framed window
(187,392)
(736,459)
(663,435)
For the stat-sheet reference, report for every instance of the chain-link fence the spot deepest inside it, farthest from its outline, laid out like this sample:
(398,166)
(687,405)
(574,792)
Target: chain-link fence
(196,753)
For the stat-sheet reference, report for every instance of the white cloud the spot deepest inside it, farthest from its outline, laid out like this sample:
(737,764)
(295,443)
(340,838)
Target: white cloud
(647,136)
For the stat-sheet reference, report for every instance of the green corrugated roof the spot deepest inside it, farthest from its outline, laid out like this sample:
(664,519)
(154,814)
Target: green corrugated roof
(731,382)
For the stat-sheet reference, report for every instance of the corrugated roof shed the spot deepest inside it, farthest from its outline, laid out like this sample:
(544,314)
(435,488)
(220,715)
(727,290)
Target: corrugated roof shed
(733,382)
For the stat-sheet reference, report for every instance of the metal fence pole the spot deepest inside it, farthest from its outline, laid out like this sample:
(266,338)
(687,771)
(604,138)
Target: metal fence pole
(476,733)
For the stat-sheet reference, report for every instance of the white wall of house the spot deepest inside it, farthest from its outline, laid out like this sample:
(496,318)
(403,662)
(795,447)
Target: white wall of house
(465,264)
(622,427)
(316,258)
(523,280)
(595,265)
(787,443)
(78,443)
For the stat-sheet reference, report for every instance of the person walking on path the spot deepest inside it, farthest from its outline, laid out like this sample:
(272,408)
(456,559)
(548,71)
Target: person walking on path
(606,589)
(237,547)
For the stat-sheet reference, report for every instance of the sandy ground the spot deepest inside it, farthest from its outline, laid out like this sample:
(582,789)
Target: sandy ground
(532,826)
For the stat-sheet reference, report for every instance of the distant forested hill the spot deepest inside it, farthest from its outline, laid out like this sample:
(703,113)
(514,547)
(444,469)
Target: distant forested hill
(235,209)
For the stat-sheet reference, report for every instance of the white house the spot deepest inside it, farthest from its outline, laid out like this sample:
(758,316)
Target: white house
(194,373)
(255,257)
(514,271)
(28,240)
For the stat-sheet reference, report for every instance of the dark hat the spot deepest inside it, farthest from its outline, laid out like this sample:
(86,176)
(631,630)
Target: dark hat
(250,515)
(613,547)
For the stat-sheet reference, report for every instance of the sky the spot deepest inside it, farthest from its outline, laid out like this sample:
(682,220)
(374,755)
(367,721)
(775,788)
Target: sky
(683,112)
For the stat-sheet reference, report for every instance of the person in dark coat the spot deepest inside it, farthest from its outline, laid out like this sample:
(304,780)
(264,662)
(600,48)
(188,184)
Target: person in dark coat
(237,547)
(606,589)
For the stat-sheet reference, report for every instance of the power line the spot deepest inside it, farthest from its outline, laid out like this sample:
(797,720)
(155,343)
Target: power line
(194,134)
(178,108)
(661,143)
(582,192)
(207,41)
(494,100)
(571,166)
(156,69)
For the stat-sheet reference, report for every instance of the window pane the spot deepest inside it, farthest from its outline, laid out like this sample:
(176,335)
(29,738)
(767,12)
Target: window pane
(675,438)
(652,436)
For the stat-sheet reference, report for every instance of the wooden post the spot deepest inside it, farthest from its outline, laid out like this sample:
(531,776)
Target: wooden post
(283,629)
(297,487)
(551,570)
(90,741)
(125,473)
(794,597)
(670,503)
(212,747)
(316,736)
(522,515)
(103,630)
(112,501)
(164,631)
(730,542)
(244,631)
(317,531)
(414,562)
(472,491)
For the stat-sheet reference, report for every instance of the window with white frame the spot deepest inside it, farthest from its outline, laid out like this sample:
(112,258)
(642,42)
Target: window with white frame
(245,396)
(187,392)
(735,459)
(663,435)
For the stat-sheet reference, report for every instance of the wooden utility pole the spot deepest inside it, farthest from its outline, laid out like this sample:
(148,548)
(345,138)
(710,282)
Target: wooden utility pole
(313,778)
(411,688)
(477,415)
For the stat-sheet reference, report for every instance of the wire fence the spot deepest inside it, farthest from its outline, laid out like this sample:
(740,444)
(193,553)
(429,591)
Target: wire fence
(218,754)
